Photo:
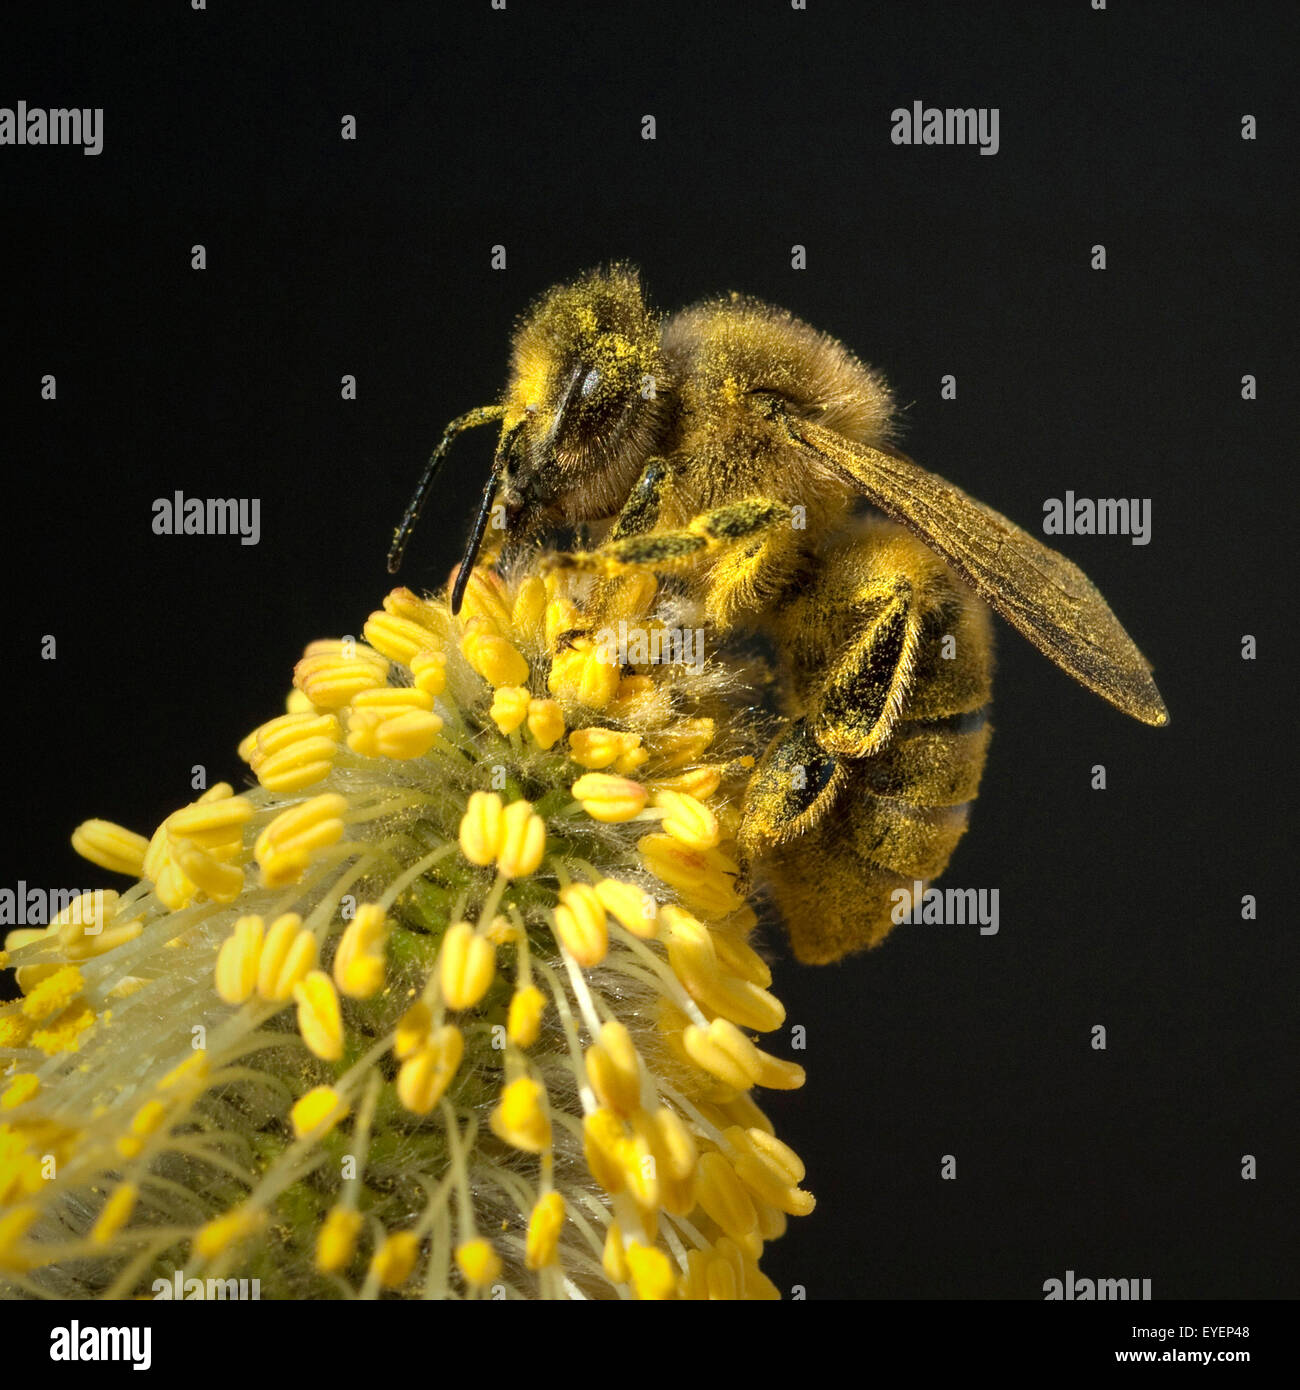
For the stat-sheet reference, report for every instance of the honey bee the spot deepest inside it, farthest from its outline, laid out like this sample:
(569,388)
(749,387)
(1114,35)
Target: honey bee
(732,444)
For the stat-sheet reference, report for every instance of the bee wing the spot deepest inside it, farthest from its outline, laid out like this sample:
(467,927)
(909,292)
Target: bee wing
(1051,601)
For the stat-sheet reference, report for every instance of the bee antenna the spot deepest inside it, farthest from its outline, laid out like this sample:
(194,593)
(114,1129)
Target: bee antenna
(475,540)
(504,447)
(483,415)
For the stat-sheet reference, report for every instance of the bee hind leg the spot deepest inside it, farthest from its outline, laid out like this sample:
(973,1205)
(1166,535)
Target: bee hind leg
(859,704)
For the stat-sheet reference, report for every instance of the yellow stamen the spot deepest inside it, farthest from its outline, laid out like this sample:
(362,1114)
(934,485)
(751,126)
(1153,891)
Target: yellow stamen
(319,1019)
(509,707)
(609,799)
(687,820)
(112,847)
(478,1262)
(523,841)
(218,1235)
(544,1227)
(238,960)
(614,1069)
(498,661)
(481,828)
(651,1272)
(317,1112)
(115,1213)
(521,1119)
(430,672)
(359,959)
(524,1021)
(597,749)
(399,639)
(426,1073)
(467,965)
(580,924)
(613,1257)
(330,680)
(413,1029)
(337,1239)
(545,723)
(634,909)
(578,674)
(287,844)
(395,1259)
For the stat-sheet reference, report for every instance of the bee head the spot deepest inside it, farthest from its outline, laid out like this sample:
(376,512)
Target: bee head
(584,403)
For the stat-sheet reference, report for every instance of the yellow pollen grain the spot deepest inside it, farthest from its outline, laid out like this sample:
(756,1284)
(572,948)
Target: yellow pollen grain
(22,1088)
(54,993)
(63,1032)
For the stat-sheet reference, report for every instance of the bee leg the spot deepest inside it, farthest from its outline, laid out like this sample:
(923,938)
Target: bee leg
(641,510)
(796,782)
(856,710)
(749,542)
(802,772)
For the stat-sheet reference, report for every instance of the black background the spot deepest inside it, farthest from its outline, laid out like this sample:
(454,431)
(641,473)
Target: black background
(1119,907)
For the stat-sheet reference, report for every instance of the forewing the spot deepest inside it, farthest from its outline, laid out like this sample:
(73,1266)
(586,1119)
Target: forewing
(1051,601)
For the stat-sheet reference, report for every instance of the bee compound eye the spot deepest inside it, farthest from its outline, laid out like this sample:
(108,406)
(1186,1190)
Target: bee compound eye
(590,381)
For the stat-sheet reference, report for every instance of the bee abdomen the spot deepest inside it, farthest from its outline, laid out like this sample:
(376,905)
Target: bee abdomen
(931,762)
